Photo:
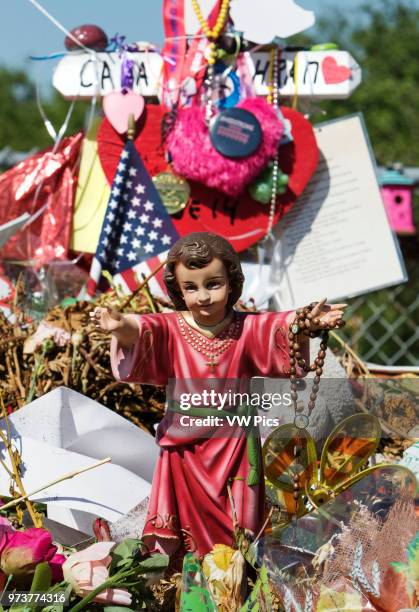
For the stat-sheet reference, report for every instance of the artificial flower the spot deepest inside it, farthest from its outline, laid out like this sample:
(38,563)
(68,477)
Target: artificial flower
(216,563)
(21,551)
(44,332)
(5,526)
(87,569)
(101,530)
(224,569)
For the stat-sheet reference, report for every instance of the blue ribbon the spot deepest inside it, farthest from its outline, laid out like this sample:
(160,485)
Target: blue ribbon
(41,58)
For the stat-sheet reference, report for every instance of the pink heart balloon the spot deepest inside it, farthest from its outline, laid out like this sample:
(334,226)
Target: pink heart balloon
(119,106)
(333,73)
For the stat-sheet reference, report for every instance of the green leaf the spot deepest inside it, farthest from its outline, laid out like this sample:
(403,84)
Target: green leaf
(119,563)
(124,554)
(117,609)
(21,607)
(42,578)
(260,597)
(127,548)
(154,563)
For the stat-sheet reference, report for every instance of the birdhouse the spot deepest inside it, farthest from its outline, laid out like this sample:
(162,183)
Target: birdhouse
(397,191)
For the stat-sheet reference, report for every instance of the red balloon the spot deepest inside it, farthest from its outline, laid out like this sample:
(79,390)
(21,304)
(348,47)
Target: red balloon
(91,36)
(241,220)
(45,181)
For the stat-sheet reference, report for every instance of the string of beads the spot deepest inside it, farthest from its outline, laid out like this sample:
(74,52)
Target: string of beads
(301,325)
(210,348)
(212,33)
(273,99)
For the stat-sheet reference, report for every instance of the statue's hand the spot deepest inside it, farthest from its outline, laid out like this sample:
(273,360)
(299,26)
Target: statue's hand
(108,319)
(325,315)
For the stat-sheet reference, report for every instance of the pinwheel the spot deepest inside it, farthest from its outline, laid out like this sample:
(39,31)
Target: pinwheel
(298,482)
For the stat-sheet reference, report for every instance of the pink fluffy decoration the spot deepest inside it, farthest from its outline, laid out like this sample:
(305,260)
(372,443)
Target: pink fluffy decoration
(195,158)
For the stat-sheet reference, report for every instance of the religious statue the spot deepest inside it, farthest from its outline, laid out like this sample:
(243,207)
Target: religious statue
(205,341)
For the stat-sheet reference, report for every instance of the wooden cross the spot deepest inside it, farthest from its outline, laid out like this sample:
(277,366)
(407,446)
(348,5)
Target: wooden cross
(212,363)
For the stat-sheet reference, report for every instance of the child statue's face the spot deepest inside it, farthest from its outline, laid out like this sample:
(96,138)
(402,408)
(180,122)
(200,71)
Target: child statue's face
(205,291)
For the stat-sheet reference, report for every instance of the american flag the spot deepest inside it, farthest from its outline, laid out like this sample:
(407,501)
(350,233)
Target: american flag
(136,227)
(128,280)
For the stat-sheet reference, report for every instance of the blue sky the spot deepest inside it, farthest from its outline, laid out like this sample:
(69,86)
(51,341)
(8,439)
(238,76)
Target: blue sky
(24,31)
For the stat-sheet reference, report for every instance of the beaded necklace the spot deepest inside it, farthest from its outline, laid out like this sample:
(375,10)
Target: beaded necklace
(212,35)
(210,348)
(273,99)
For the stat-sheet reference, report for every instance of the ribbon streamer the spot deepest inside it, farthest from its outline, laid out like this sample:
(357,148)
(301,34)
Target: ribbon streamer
(60,26)
(47,123)
(41,58)
(127,71)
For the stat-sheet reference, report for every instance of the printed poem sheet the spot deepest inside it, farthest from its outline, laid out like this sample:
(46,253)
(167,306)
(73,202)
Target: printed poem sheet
(336,241)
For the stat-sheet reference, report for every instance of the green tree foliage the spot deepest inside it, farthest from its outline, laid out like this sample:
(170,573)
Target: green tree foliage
(21,125)
(384,40)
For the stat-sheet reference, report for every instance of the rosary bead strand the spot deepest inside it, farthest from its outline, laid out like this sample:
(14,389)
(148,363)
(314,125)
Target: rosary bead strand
(302,324)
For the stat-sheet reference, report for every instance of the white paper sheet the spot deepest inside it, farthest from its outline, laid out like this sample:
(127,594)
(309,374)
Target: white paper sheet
(108,491)
(70,420)
(336,242)
(256,284)
(192,24)
(63,431)
(260,23)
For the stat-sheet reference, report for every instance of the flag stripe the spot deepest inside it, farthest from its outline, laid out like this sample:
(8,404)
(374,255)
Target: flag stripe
(134,276)
(158,277)
(130,279)
(95,274)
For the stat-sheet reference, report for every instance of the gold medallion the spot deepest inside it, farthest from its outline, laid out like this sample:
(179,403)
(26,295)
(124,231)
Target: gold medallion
(173,190)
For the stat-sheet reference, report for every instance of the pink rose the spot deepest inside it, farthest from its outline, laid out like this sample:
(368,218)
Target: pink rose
(56,565)
(5,526)
(21,551)
(44,331)
(88,569)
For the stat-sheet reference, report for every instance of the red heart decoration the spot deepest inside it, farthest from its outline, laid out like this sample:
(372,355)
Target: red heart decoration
(333,73)
(241,220)
(118,106)
(195,157)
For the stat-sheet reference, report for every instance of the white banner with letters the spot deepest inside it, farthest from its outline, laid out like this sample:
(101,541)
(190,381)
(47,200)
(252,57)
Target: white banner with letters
(315,74)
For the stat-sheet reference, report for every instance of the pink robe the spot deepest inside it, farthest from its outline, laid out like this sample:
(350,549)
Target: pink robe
(189,501)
